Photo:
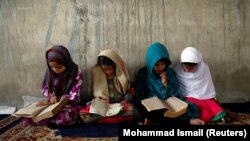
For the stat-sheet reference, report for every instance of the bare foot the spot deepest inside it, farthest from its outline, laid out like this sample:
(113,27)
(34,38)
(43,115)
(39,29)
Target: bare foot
(196,121)
(145,122)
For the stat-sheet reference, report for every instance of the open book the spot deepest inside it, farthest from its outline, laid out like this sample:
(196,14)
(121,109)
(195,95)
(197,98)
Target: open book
(173,105)
(38,113)
(104,109)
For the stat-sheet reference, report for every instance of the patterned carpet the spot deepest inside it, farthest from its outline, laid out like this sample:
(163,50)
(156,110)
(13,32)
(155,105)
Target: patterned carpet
(234,118)
(19,132)
(11,129)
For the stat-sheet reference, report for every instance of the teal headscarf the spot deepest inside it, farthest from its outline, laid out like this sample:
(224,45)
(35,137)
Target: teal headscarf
(148,83)
(156,52)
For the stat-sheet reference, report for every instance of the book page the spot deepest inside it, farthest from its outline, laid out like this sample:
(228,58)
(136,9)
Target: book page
(50,110)
(175,104)
(154,103)
(113,109)
(98,107)
(30,111)
(177,107)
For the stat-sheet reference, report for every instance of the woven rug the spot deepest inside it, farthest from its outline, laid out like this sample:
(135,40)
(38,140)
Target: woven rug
(19,132)
(7,122)
(41,133)
(234,118)
(13,130)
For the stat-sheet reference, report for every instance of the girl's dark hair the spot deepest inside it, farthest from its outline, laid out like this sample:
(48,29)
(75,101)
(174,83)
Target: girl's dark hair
(103,60)
(189,64)
(168,62)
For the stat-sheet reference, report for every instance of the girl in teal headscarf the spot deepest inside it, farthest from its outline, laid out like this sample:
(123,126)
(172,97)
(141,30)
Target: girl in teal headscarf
(157,79)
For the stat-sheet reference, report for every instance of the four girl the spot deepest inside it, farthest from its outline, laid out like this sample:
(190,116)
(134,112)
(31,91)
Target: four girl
(111,83)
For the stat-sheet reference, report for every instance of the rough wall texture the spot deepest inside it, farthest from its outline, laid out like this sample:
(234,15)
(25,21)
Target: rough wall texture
(219,28)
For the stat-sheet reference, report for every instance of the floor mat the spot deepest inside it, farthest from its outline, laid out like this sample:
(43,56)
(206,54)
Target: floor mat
(234,118)
(43,133)
(12,129)
(7,122)
(101,130)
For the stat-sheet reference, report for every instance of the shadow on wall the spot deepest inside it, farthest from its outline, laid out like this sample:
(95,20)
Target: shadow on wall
(233,87)
(11,95)
(239,80)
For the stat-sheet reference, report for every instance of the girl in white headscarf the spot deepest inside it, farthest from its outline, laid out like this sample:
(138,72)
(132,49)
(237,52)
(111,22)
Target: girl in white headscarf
(197,85)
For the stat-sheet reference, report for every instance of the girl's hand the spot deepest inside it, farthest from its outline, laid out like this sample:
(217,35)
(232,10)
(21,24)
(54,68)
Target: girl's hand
(43,103)
(145,122)
(124,103)
(105,99)
(164,78)
(53,99)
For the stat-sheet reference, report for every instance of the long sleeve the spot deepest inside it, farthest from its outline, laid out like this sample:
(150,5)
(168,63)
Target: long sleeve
(45,90)
(140,85)
(74,94)
(141,91)
(193,110)
(173,89)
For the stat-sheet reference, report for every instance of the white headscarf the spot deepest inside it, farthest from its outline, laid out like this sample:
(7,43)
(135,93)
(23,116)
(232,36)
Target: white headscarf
(196,84)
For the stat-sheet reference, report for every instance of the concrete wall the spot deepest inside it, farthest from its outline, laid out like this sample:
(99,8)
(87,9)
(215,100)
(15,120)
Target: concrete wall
(219,28)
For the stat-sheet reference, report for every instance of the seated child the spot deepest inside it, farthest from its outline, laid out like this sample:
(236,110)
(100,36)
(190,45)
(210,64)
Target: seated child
(111,84)
(197,85)
(158,79)
(63,79)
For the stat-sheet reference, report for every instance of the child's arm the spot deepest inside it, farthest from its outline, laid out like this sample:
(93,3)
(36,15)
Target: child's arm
(45,90)
(51,98)
(74,94)
(129,96)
